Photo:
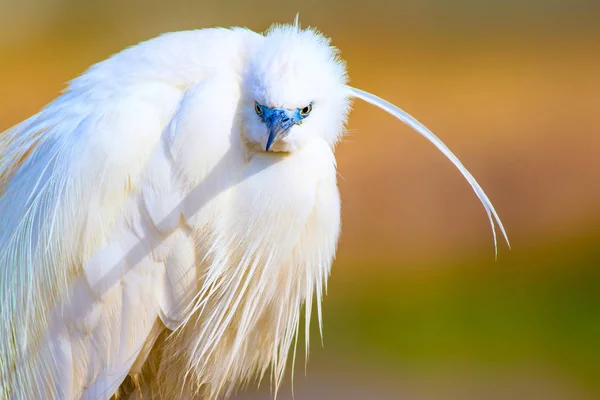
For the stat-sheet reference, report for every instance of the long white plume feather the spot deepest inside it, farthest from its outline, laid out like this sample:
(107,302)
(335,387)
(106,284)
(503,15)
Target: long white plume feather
(422,129)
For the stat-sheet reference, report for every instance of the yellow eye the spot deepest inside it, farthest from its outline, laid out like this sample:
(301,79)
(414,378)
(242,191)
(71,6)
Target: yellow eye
(306,110)
(257,108)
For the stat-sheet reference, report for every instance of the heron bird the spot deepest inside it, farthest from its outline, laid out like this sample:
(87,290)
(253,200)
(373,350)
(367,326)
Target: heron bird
(167,218)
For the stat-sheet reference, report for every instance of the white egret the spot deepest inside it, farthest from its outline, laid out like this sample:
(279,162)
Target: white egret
(164,220)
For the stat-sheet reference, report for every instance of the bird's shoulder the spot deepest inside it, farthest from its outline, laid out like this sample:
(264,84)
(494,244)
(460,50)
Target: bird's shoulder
(181,59)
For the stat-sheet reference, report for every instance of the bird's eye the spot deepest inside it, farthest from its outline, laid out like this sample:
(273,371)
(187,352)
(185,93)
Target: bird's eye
(258,108)
(306,110)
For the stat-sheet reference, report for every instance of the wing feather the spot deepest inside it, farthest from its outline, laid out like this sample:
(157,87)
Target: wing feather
(71,182)
(62,182)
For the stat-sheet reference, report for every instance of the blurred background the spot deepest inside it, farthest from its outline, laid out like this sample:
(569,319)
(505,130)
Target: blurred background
(417,307)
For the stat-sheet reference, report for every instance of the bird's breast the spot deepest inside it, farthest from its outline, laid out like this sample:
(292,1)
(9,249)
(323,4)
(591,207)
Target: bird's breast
(278,194)
(281,211)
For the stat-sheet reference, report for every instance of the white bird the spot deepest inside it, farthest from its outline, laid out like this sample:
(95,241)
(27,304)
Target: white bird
(164,220)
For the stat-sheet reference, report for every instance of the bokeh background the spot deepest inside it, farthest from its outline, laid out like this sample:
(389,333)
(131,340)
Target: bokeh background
(417,307)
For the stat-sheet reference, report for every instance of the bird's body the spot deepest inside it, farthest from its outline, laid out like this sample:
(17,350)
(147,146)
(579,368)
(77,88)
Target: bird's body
(147,231)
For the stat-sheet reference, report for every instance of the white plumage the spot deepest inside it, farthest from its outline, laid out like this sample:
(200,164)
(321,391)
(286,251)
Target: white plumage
(146,231)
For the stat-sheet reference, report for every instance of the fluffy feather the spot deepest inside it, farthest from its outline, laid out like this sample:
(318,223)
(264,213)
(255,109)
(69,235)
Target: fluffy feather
(145,231)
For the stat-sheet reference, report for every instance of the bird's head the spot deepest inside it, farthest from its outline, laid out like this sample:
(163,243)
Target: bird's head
(294,91)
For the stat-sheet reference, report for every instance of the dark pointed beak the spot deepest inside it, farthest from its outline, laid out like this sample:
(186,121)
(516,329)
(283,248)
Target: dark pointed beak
(279,125)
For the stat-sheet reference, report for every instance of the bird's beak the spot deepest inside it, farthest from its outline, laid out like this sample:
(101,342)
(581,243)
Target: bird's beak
(279,123)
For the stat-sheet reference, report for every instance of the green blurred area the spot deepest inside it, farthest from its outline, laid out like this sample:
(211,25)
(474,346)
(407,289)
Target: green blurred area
(507,314)
(417,307)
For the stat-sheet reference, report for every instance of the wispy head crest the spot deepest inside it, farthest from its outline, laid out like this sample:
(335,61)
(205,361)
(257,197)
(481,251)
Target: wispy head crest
(424,131)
